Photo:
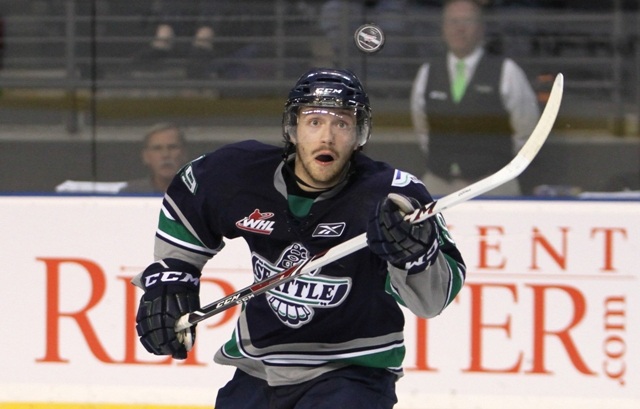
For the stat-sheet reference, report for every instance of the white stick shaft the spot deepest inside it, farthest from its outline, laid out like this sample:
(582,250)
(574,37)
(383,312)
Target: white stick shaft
(514,168)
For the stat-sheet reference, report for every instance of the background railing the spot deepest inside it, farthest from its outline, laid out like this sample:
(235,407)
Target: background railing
(72,44)
(77,64)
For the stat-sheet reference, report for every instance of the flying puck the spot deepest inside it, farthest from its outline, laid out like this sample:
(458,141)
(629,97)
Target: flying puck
(369,38)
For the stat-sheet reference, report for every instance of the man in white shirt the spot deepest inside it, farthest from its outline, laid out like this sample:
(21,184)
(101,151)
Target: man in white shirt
(471,111)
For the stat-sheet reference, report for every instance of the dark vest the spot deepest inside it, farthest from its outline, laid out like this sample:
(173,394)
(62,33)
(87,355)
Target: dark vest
(470,139)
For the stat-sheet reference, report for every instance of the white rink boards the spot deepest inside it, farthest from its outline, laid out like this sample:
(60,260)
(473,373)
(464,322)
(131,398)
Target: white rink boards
(549,315)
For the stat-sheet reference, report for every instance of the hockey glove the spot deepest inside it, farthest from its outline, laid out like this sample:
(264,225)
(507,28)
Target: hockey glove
(411,247)
(171,289)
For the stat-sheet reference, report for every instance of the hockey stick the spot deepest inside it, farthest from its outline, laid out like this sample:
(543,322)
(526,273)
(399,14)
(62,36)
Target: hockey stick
(514,168)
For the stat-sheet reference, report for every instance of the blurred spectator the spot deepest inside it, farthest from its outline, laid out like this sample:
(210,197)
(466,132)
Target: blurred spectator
(509,32)
(178,18)
(163,153)
(471,110)
(210,26)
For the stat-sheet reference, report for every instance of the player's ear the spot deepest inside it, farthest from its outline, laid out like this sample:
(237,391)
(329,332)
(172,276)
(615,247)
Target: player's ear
(290,125)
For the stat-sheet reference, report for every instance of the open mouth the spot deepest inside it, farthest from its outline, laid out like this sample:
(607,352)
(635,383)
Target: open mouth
(325,158)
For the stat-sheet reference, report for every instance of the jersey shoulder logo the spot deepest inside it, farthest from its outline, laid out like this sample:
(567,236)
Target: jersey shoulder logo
(329,229)
(402,178)
(257,222)
(188,178)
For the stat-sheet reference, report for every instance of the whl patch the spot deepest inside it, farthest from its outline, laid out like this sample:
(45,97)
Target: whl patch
(257,222)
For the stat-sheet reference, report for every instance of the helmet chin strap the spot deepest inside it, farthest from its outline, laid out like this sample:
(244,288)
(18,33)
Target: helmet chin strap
(292,173)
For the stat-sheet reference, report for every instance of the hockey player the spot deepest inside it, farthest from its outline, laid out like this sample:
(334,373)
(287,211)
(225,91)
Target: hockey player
(332,338)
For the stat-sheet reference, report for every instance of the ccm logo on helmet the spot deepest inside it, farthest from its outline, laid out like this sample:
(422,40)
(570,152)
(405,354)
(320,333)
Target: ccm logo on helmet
(170,276)
(324,91)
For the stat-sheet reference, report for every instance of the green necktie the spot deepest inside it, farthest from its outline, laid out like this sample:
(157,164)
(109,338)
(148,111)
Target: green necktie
(459,82)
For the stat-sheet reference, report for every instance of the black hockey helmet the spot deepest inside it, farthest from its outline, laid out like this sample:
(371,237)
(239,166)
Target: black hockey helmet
(329,88)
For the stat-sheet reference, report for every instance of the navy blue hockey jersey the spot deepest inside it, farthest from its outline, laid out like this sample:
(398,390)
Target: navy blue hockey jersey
(345,313)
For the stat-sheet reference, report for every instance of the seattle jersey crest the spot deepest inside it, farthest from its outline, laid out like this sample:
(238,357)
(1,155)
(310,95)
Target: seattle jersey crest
(294,302)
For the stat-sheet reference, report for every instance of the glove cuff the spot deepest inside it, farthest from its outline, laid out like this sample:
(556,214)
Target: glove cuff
(169,276)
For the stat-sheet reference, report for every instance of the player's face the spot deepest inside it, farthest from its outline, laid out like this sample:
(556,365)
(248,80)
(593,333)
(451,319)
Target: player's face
(325,140)
(462,28)
(164,154)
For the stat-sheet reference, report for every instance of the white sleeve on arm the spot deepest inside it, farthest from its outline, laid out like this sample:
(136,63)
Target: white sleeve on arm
(426,293)
(520,101)
(418,107)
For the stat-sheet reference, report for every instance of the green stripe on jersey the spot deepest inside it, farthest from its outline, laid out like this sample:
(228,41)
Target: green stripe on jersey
(177,230)
(391,358)
(389,289)
(231,347)
(387,359)
(457,280)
